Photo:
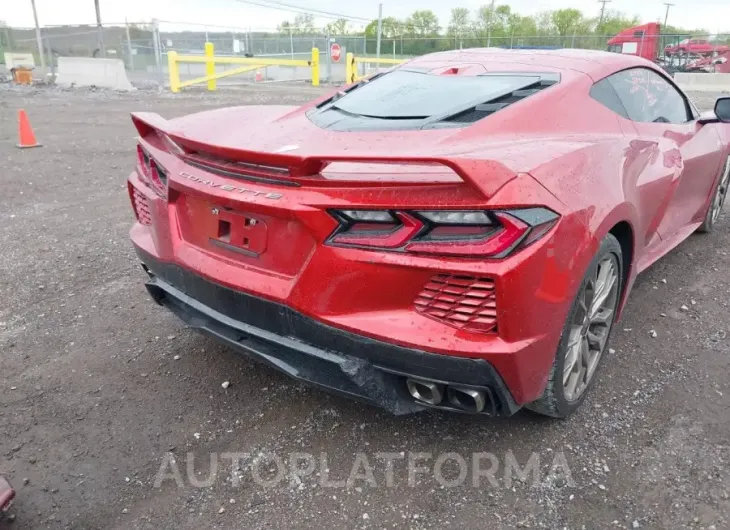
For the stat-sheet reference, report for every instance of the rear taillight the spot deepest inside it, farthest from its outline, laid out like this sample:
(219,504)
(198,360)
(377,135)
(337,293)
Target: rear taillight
(151,171)
(158,176)
(490,233)
(378,229)
(143,161)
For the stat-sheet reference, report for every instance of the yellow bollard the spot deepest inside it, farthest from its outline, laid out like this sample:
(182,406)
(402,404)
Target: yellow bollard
(315,67)
(210,64)
(349,68)
(174,71)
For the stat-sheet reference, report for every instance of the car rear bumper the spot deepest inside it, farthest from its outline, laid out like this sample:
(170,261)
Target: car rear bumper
(337,360)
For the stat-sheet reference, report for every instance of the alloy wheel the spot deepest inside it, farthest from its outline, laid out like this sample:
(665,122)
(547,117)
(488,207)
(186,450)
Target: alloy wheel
(591,327)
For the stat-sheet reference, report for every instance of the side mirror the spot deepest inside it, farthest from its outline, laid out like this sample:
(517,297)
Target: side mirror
(722,109)
(720,114)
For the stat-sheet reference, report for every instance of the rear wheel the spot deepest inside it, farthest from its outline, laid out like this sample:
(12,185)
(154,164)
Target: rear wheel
(585,335)
(718,201)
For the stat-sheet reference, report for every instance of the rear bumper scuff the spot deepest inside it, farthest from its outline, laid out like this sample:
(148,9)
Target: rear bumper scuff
(318,354)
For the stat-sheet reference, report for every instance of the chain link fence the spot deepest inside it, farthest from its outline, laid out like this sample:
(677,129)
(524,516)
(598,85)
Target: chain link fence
(143,46)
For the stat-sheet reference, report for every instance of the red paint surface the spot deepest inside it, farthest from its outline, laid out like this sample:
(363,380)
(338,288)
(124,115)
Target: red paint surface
(558,149)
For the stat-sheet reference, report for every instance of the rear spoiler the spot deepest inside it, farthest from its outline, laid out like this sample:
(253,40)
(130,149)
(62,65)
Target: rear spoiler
(310,166)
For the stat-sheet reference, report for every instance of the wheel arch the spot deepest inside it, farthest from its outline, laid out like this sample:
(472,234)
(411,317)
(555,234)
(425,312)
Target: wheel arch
(624,233)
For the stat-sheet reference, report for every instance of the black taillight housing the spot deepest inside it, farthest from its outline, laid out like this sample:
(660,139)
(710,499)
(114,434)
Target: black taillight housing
(483,233)
(151,171)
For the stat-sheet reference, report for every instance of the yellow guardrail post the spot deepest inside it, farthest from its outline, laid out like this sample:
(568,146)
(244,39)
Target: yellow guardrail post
(352,74)
(349,68)
(210,64)
(315,67)
(174,71)
(245,64)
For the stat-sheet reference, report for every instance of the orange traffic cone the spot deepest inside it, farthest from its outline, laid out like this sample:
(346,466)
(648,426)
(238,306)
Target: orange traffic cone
(25,132)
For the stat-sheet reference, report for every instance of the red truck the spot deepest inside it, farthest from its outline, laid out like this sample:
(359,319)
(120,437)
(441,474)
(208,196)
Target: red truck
(644,41)
(640,40)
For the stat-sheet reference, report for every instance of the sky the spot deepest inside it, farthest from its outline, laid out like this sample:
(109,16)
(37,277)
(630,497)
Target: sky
(713,15)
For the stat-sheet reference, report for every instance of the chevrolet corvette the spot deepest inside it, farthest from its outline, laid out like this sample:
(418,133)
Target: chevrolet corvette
(460,232)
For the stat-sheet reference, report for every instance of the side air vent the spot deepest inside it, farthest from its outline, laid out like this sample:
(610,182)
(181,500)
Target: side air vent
(462,302)
(141,206)
(485,109)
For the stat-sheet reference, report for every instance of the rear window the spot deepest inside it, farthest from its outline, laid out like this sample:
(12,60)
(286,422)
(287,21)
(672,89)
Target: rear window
(405,94)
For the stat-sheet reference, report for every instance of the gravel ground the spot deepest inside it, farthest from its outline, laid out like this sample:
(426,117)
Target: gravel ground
(100,388)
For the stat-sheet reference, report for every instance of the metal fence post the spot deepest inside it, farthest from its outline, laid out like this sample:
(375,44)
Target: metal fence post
(158,52)
(210,64)
(49,48)
(380,30)
(327,50)
(129,46)
(100,29)
(38,36)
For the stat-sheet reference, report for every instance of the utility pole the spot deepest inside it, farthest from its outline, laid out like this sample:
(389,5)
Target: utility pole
(38,36)
(489,27)
(102,52)
(666,15)
(603,10)
(380,30)
(129,46)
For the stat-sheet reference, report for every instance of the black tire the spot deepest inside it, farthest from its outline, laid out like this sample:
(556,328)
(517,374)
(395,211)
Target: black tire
(721,187)
(553,402)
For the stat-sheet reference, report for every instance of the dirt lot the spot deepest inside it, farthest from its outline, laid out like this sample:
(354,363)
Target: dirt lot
(99,386)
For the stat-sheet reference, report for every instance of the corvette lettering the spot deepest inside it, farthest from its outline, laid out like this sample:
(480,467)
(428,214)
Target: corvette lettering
(225,187)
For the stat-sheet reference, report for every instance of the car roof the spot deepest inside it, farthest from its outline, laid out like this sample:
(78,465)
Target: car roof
(596,64)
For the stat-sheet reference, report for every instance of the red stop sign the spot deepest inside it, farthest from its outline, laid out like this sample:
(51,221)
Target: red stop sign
(335,52)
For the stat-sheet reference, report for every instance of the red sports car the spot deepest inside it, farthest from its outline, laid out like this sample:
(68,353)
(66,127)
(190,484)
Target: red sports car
(460,232)
(695,46)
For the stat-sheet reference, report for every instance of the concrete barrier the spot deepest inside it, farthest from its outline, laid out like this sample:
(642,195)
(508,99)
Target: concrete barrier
(703,82)
(87,71)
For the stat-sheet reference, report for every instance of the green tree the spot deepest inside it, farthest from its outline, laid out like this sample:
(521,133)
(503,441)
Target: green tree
(677,30)
(615,22)
(423,23)
(484,20)
(338,27)
(520,26)
(460,25)
(4,38)
(544,24)
(304,24)
(567,21)
(497,23)
(392,27)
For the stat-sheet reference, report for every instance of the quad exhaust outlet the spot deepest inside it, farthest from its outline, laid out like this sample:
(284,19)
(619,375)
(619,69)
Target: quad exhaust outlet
(471,400)
(426,392)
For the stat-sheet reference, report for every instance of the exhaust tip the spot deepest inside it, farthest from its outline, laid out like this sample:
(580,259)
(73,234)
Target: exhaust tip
(156,293)
(467,399)
(426,392)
